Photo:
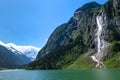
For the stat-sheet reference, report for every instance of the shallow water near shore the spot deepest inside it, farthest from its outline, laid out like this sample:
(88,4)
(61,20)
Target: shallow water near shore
(101,74)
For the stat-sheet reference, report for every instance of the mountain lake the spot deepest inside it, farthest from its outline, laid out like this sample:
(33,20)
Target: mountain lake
(100,74)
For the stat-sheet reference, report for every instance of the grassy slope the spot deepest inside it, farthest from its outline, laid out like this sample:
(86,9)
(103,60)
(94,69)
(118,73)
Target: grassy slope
(114,60)
(74,57)
(4,68)
(83,62)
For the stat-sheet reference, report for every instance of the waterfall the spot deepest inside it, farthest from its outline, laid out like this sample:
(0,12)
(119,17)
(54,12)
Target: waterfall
(101,43)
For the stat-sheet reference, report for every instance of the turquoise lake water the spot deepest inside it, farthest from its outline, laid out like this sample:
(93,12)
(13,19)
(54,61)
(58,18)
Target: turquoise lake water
(113,74)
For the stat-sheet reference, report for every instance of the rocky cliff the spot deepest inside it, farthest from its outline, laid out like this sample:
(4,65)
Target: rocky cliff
(72,44)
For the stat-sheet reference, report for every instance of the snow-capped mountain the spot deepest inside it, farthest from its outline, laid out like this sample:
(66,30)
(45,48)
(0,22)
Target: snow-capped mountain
(29,51)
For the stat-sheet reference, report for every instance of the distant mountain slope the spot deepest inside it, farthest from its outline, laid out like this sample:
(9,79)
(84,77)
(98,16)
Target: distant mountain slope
(29,51)
(13,56)
(87,40)
(9,59)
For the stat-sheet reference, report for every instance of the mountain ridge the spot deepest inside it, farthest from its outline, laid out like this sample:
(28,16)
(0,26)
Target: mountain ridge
(11,60)
(13,56)
(30,51)
(76,40)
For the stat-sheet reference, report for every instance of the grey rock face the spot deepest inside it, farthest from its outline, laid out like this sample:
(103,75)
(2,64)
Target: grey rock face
(78,35)
(81,23)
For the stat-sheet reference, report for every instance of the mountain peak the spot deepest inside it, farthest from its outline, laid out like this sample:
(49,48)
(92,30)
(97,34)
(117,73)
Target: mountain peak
(88,6)
(86,32)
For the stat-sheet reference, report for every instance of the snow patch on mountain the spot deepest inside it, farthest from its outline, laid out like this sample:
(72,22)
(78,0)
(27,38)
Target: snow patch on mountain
(29,51)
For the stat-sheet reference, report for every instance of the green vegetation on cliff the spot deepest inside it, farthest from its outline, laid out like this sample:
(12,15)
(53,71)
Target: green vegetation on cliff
(68,46)
(82,62)
(113,60)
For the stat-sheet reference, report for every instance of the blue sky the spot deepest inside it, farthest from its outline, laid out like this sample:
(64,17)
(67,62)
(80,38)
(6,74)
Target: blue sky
(30,22)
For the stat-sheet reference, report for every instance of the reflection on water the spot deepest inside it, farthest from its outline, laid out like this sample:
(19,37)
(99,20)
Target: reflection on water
(102,75)
(60,74)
